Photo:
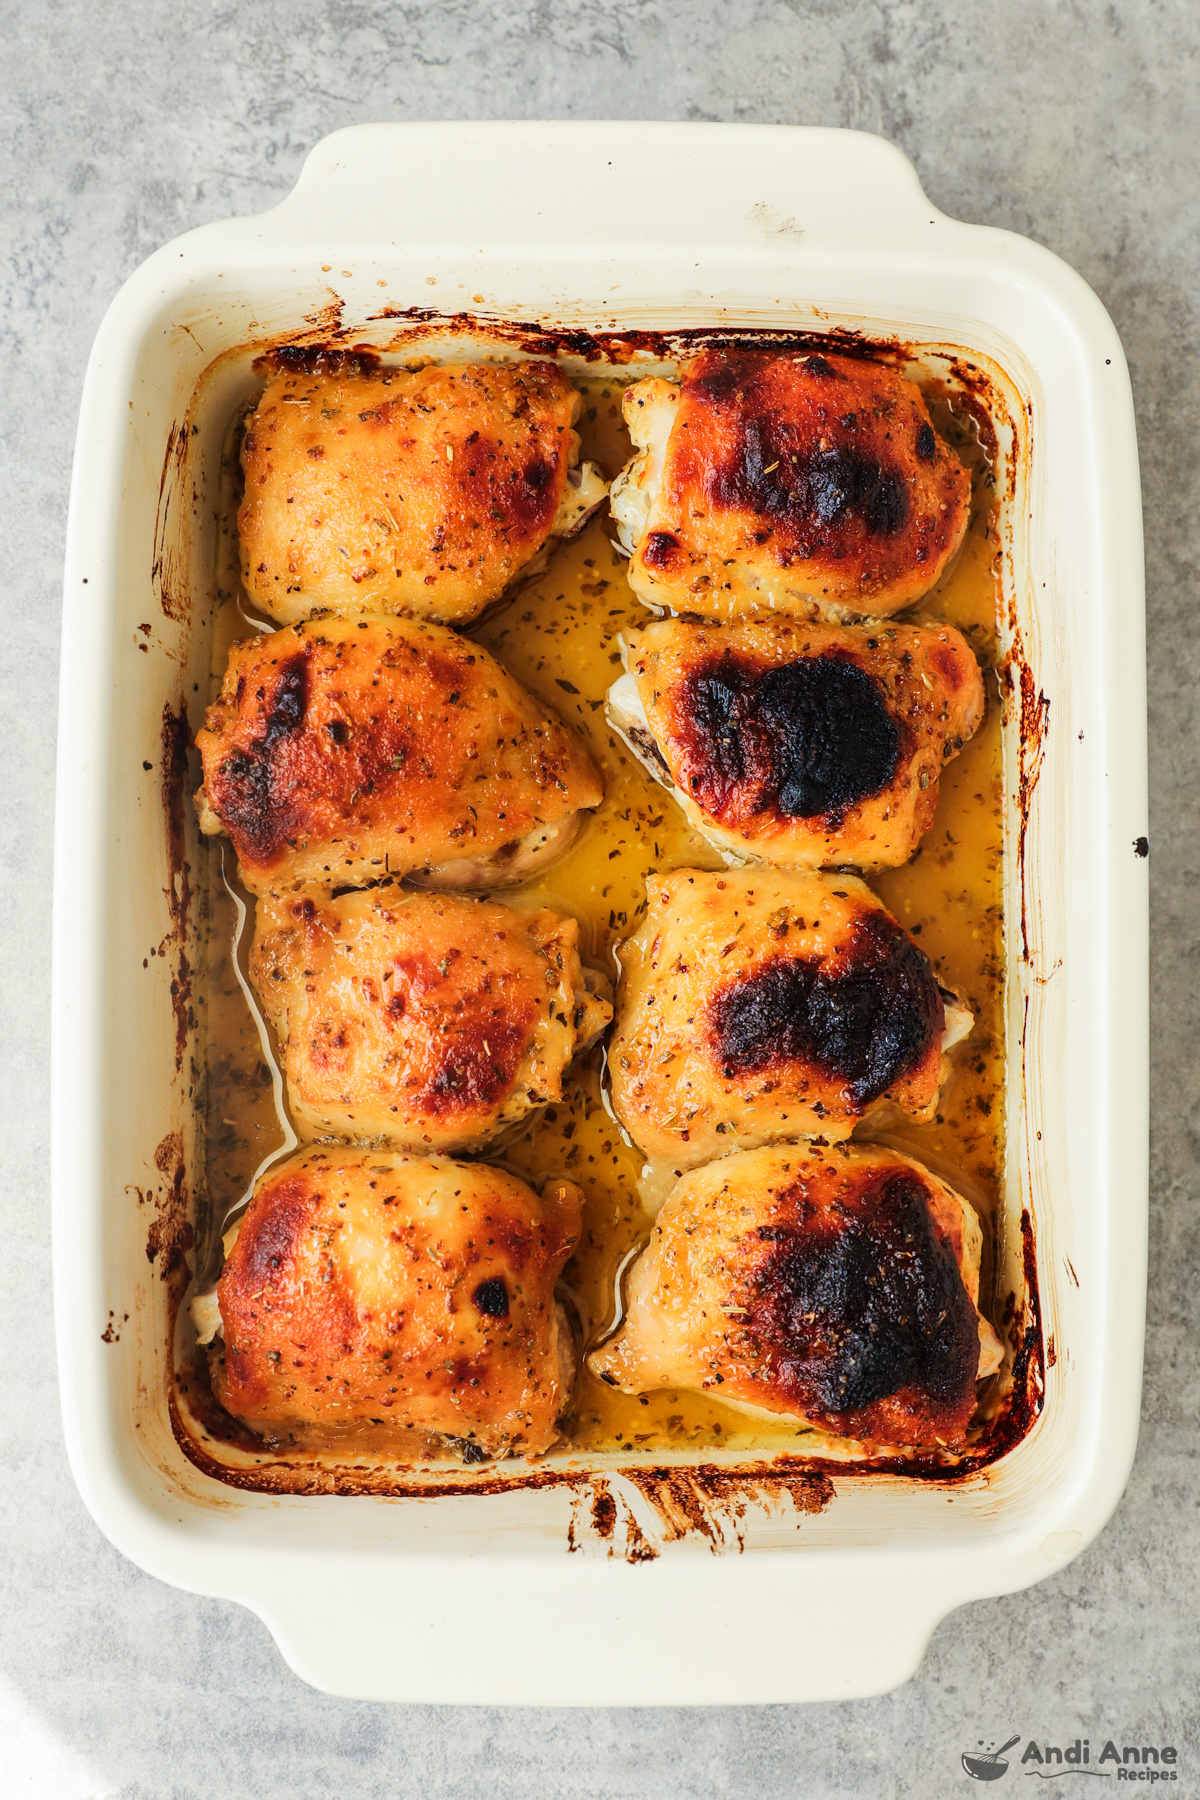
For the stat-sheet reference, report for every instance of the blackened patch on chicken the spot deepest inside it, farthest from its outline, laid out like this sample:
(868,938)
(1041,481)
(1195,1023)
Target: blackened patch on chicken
(808,738)
(723,376)
(856,1308)
(520,496)
(491,1298)
(242,794)
(926,442)
(289,701)
(838,482)
(866,1018)
(801,472)
(660,549)
(244,791)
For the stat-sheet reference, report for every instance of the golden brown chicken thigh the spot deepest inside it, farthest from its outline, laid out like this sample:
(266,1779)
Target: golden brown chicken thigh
(423,493)
(834,1285)
(801,744)
(348,749)
(756,1005)
(426,1021)
(412,1295)
(783,481)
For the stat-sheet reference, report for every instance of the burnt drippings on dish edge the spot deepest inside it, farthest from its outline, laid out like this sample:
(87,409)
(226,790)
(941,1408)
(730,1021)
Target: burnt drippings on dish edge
(807,739)
(175,739)
(620,347)
(171,1234)
(866,1019)
(317,359)
(685,1499)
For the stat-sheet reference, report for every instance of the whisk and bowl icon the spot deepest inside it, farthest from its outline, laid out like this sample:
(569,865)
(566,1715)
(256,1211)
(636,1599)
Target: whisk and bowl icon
(989,1765)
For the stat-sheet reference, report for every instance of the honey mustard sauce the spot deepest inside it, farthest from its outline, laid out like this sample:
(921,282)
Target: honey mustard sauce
(561,636)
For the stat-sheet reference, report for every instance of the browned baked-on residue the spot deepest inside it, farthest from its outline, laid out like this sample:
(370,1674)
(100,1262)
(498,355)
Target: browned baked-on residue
(1035,724)
(1028,1384)
(176,737)
(712,1501)
(316,359)
(612,1523)
(706,1501)
(974,392)
(604,1510)
(323,321)
(168,570)
(171,1234)
(620,347)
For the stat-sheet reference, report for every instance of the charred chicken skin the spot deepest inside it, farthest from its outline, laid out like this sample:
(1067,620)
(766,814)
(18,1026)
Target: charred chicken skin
(801,744)
(756,1005)
(829,1285)
(346,750)
(785,481)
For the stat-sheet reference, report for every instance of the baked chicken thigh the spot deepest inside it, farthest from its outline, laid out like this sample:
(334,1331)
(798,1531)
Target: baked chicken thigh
(757,1005)
(835,1286)
(426,1021)
(410,1295)
(345,750)
(421,493)
(800,744)
(777,481)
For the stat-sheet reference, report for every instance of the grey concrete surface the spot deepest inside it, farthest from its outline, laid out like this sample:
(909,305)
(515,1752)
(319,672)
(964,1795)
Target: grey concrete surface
(124,124)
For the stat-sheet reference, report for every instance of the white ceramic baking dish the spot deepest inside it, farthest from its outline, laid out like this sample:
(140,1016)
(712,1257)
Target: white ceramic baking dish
(478,1597)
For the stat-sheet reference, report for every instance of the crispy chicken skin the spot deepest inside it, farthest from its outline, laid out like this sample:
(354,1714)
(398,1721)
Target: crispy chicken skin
(778,480)
(757,1005)
(425,1021)
(835,1285)
(800,743)
(421,493)
(347,749)
(367,1288)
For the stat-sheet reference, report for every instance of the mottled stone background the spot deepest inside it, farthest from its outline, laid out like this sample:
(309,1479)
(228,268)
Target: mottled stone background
(124,124)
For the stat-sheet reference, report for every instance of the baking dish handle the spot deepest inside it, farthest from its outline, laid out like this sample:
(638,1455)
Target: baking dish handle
(776,190)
